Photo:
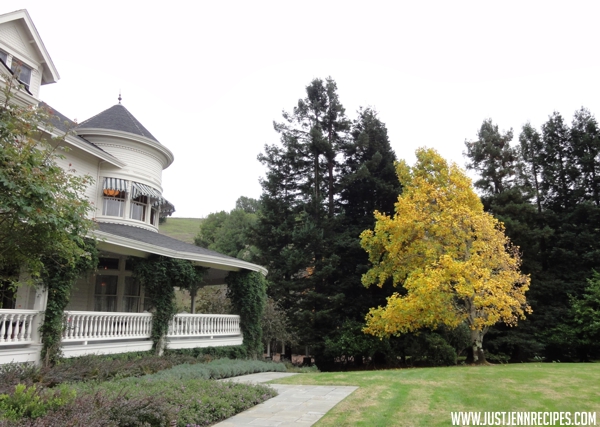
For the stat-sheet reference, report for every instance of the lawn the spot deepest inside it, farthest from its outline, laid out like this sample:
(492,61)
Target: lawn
(184,229)
(426,396)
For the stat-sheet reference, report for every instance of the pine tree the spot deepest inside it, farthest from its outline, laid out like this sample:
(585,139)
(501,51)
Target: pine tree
(295,224)
(322,185)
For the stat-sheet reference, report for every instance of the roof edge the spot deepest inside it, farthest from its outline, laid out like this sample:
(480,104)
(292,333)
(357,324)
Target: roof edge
(169,157)
(171,253)
(48,63)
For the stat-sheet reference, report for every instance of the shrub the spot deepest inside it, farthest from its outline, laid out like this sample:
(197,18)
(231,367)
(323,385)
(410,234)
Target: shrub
(31,402)
(217,369)
(437,351)
(102,410)
(91,367)
(192,399)
(228,352)
(17,373)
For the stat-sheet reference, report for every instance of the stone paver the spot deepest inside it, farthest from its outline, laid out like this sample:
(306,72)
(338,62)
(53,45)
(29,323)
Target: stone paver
(297,405)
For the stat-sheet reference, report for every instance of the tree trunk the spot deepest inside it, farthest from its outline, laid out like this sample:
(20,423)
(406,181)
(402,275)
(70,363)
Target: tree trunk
(477,345)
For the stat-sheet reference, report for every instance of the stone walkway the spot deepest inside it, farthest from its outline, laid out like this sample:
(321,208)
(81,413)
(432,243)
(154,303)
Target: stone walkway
(297,405)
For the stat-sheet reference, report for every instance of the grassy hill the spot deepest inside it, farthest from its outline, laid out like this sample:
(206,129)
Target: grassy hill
(184,229)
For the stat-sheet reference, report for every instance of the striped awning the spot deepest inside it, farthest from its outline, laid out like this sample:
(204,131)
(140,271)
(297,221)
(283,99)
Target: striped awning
(115,184)
(166,208)
(138,189)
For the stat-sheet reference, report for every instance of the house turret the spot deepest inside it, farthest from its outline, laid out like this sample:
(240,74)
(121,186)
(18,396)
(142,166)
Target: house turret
(131,194)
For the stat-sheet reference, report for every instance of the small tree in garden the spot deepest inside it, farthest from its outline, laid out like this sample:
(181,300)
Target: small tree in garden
(276,325)
(452,259)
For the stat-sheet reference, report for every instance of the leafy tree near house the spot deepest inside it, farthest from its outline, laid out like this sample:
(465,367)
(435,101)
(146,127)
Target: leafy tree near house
(43,209)
(452,259)
(43,212)
(229,232)
(276,326)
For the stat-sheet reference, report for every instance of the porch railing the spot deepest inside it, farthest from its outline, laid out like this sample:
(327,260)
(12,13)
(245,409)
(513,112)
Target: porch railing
(98,325)
(204,325)
(18,326)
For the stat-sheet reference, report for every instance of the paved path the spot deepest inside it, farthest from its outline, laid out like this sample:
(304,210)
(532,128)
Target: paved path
(297,405)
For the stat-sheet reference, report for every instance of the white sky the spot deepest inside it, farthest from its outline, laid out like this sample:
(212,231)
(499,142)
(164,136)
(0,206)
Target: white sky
(208,78)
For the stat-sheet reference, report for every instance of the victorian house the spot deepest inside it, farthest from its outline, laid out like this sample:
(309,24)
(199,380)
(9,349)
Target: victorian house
(107,312)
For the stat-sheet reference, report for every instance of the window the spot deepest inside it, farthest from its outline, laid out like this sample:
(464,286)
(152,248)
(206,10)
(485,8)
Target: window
(105,294)
(22,71)
(115,289)
(3,57)
(154,216)
(138,208)
(113,203)
(108,263)
(131,295)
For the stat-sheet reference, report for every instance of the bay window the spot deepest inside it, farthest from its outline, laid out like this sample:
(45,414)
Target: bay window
(138,208)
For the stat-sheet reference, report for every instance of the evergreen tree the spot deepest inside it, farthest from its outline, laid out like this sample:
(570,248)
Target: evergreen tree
(295,225)
(322,185)
(368,183)
(551,212)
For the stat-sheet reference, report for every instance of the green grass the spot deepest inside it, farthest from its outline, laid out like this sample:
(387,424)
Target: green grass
(184,229)
(426,396)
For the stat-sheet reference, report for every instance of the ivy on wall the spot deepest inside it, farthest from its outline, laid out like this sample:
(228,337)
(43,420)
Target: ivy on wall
(58,278)
(248,293)
(160,275)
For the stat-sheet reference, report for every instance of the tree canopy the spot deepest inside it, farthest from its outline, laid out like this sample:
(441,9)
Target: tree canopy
(43,209)
(229,232)
(551,208)
(322,184)
(452,259)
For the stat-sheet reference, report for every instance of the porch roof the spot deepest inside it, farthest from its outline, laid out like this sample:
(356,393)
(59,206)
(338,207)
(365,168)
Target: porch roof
(128,240)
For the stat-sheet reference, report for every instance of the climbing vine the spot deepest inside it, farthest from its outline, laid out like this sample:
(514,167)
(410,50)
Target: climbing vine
(58,278)
(248,293)
(160,275)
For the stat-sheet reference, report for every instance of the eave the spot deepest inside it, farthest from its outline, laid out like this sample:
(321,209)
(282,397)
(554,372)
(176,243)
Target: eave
(164,151)
(125,246)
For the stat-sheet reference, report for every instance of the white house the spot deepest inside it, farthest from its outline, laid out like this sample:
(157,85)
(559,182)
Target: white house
(106,313)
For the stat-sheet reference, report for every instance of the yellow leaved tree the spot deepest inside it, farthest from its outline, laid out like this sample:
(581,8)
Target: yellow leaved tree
(452,258)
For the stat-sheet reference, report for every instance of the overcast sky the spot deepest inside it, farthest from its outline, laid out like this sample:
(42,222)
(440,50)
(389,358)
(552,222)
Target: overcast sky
(207,78)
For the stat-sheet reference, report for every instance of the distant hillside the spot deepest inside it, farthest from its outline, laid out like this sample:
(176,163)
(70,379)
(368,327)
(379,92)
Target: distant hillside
(184,229)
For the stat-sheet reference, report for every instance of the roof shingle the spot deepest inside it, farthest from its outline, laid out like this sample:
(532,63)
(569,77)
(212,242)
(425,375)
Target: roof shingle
(119,118)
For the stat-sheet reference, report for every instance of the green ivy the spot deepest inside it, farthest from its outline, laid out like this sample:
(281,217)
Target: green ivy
(248,293)
(58,277)
(160,275)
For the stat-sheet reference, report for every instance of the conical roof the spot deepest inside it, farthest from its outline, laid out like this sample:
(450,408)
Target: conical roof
(119,118)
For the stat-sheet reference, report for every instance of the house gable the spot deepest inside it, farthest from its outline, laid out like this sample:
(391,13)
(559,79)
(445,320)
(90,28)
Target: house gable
(20,40)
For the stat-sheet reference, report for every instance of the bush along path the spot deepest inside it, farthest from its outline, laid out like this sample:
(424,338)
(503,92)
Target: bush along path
(184,395)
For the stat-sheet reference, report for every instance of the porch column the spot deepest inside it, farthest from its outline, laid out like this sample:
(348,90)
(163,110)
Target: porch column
(39,304)
(41,298)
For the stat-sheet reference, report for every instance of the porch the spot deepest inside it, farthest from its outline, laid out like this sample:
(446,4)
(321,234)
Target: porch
(95,332)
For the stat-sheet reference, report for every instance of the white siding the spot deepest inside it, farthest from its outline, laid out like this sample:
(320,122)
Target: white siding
(34,85)
(141,164)
(11,36)
(13,40)
(83,164)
